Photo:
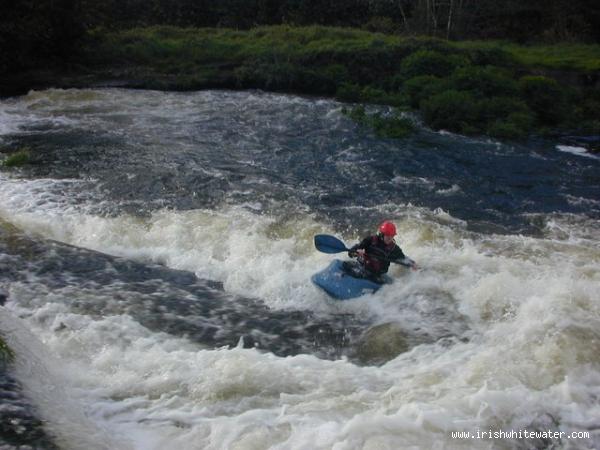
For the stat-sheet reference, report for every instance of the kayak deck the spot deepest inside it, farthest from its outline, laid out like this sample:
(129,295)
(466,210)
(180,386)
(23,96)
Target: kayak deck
(340,285)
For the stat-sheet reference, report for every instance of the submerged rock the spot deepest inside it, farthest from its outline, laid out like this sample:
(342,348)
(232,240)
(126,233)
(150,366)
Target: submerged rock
(19,425)
(382,343)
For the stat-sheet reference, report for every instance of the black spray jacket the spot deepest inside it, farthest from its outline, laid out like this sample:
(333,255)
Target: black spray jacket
(378,255)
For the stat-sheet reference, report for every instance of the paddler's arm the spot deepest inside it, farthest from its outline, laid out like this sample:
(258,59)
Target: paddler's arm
(398,257)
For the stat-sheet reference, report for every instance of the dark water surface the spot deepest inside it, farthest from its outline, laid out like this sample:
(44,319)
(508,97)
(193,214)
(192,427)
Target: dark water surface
(185,151)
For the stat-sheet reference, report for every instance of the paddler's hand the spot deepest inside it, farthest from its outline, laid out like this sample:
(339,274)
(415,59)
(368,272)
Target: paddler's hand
(355,253)
(414,267)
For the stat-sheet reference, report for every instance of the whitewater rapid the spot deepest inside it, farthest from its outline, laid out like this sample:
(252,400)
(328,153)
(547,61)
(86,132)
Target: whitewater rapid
(503,326)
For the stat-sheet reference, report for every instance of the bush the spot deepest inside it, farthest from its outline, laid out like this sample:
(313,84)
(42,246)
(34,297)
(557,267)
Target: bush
(495,108)
(451,110)
(465,112)
(422,87)
(357,114)
(516,125)
(505,129)
(336,73)
(545,97)
(589,104)
(429,62)
(386,127)
(522,120)
(392,127)
(484,81)
(371,94)
(349,92)
(491,56)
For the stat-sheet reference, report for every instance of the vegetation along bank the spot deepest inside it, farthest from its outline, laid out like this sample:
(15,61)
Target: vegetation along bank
(492,88)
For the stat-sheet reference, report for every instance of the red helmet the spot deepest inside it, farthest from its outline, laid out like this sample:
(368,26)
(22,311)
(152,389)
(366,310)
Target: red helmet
(387,229)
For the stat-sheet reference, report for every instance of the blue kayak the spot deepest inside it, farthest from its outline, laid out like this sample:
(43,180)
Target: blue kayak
(342,286)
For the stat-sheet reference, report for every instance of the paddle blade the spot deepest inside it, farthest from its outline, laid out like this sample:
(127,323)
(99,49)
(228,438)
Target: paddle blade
(329,244)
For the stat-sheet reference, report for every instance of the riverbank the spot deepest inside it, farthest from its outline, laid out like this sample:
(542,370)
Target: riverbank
(493,88)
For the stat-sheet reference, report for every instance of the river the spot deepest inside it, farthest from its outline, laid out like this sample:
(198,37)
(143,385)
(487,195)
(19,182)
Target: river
(157,255)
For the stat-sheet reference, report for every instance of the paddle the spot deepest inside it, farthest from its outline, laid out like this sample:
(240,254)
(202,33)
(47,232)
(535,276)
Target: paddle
(329,244)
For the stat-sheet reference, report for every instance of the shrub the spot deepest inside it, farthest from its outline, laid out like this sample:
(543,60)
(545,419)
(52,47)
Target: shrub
(590,104)
(336,73)
(422,87)
(371,94)
(495,108)
(516,125)
(491,56)
(349,92)
(484,81)
(465,112)
(452,110)
(358,114)
(545,97)
(505,129)
(522,119)
(429,62)
(392,127)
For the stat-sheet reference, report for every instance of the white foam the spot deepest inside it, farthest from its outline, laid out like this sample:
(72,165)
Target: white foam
(579,151)
(9,122)
(47,382)
(455,188)
(163,391)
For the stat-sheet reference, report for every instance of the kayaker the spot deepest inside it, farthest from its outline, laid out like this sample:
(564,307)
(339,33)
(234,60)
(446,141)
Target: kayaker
(375,253)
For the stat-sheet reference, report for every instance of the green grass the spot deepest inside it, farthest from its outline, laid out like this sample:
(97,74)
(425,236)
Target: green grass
(18,158)
(572,57)
(204,45)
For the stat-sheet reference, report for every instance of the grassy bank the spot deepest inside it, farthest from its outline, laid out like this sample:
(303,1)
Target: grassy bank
(575,58)
(492,88)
